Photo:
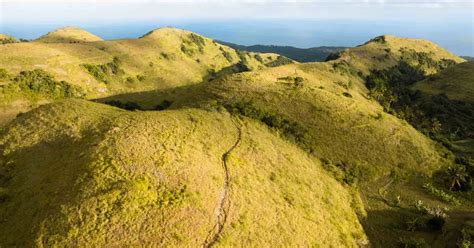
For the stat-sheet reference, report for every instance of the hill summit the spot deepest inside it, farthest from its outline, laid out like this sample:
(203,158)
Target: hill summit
(69,35)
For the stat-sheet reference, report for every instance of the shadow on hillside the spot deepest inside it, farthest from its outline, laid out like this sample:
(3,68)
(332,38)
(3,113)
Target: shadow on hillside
(190,95)
(389,228)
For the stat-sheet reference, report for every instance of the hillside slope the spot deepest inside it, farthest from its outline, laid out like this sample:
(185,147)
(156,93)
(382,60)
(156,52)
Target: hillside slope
(456,82)
(330,104)
(80,173)
(331,111)
(164,58)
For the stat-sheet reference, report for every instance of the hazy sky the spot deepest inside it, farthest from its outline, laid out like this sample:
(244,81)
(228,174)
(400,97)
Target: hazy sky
(449,22)
(48,11)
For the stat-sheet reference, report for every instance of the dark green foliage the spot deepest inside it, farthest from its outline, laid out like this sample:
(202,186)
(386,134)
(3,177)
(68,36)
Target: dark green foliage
(198,40)
(314,54)
(292,130)
(165,56)
(226,54)
(194,41)
(258,58)
(40,82)
(8,41)
(459,176)
(344,69)
(347,94)
(141,78)
(279,62)
(392,85)
(104,72)
(296,82)
(130,80)
(424,60)
(4,74)
(124,105)
(378,39)
(437,116)
(163,105)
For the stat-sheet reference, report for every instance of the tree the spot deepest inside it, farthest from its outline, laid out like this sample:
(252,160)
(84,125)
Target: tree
(457,176)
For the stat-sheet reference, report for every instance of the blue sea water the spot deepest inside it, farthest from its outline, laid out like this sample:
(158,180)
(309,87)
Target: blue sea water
(456,36)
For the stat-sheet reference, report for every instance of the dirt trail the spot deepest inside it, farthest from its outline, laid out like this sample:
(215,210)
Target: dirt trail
(224,201)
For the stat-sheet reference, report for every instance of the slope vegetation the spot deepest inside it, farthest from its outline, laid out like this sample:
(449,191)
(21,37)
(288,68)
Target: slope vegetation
(456,82)
(76,173)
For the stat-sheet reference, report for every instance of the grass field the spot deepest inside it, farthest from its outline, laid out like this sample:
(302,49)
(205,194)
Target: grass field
(222,147)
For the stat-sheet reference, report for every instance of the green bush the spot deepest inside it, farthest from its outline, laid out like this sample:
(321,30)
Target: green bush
(226,54)
(279,62)
(104,72)
(4,74)
(258,58)
(40,82)
(141,78)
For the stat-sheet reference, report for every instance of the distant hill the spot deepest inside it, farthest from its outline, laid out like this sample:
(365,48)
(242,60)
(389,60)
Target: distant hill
(468,58)
(68,35)
(314,54)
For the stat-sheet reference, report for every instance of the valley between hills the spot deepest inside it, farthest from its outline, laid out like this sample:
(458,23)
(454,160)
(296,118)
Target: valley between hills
(174,139)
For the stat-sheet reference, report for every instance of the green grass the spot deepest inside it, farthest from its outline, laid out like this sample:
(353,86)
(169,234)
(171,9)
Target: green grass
(155,176)
(164,188)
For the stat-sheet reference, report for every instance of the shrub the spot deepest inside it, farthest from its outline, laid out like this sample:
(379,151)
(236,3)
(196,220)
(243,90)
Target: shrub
(347,94)
(40,82)
(457,177)
(441,194)
(105,71)
(258,58)
(141,78)
(226,54)
(165,56)
(281,60)
(130,80)
(297,82)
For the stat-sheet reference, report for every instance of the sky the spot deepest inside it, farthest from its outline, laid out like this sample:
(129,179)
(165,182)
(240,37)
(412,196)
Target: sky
(449,22)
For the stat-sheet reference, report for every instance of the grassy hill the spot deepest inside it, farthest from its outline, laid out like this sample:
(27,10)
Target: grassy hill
(328,110)
(313,54)
(244,148)
(142,178)
(164,58)
(68,35)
